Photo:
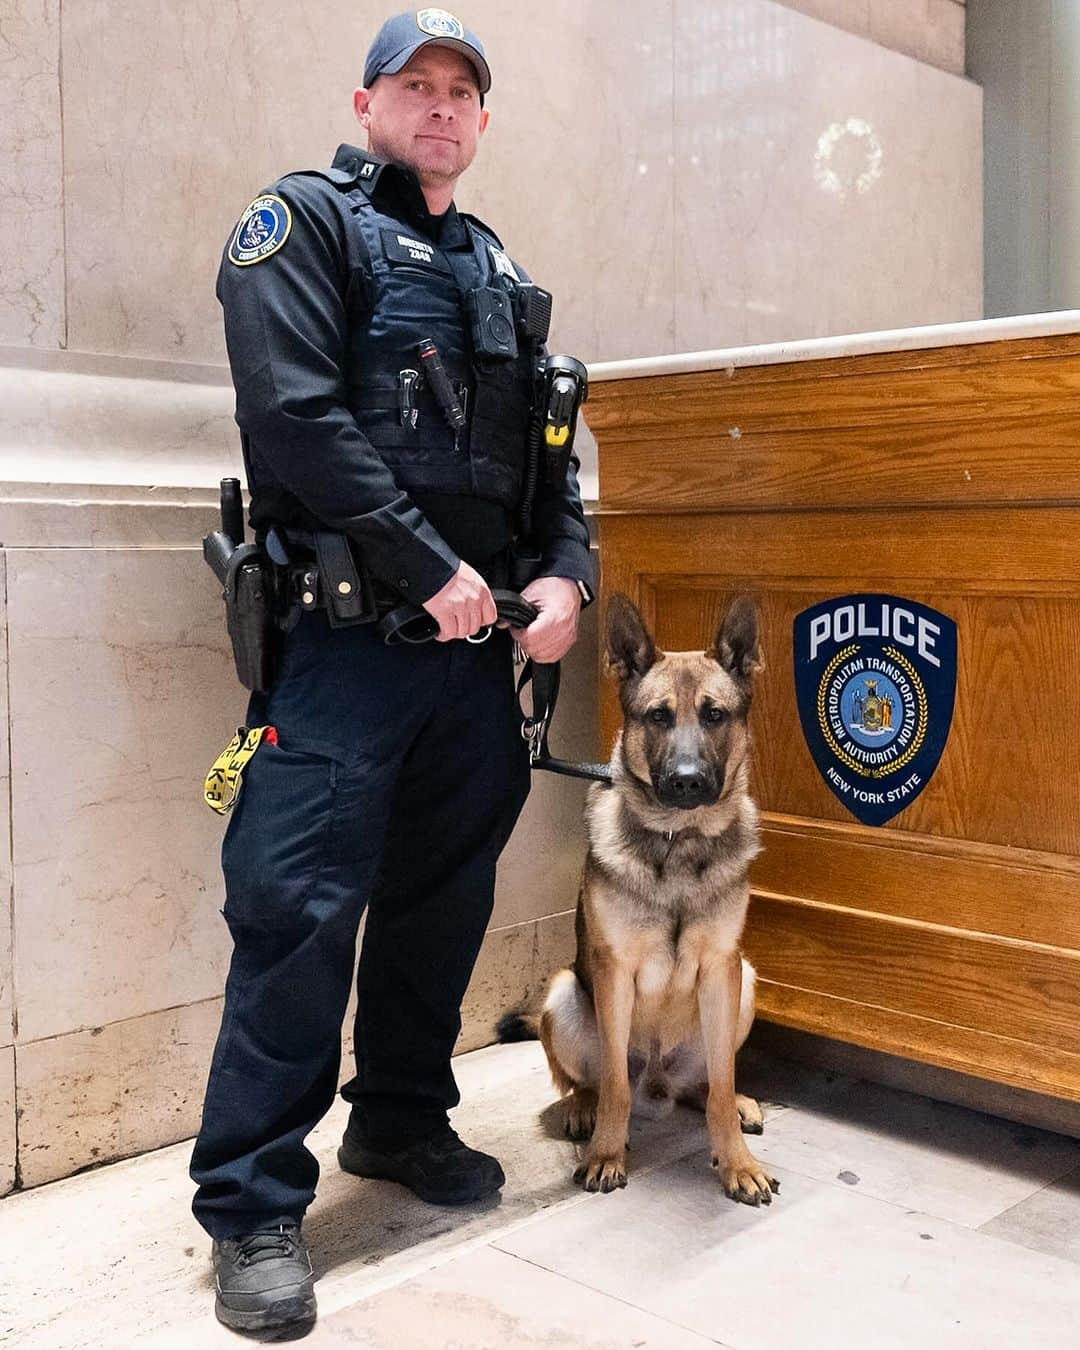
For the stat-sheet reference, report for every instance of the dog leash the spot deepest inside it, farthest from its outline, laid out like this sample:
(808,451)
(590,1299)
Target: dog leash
(545,681)
(410,624)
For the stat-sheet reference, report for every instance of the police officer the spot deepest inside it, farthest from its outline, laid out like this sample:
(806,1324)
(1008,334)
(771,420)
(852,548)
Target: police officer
(397,772)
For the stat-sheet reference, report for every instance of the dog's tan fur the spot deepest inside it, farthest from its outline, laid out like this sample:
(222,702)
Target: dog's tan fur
(659,998)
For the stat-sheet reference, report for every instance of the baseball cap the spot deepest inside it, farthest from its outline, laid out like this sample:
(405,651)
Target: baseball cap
(402,36)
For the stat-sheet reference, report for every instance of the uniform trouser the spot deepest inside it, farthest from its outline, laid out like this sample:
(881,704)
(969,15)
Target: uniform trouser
(397,778)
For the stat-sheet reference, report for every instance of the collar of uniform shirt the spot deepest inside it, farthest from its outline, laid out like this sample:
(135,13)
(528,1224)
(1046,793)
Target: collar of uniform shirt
(397,187)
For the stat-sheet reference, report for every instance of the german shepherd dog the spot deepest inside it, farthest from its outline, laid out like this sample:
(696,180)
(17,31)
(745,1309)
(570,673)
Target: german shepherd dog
(659,998)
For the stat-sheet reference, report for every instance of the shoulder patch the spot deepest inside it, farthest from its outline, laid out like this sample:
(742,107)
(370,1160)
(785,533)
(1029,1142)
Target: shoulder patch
(261,231)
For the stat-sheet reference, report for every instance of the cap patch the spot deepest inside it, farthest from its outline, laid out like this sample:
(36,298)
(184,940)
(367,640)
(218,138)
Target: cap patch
(261,231)
(440,23)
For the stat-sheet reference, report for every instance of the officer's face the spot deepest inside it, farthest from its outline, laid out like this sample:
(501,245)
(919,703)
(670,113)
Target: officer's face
(428,116)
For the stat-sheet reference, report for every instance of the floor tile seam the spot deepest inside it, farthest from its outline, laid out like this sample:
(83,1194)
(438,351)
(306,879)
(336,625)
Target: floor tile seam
(368,1285)
(863,1196)
(911,1211)
(1038,1191)
(835,1184)
(524,923)
(416,1266)
(98,1027)
(624,1302)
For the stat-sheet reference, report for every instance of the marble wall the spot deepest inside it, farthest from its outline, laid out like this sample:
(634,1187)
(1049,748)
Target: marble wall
(121,695)
(721,173)
(929,30)
(32,301)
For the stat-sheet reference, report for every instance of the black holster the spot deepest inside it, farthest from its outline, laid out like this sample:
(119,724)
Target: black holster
(246,576)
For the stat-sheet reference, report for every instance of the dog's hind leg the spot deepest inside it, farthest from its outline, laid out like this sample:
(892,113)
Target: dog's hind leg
(572,1044)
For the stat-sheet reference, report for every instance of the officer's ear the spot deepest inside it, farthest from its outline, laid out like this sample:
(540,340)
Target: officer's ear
(484,115)
(362,105)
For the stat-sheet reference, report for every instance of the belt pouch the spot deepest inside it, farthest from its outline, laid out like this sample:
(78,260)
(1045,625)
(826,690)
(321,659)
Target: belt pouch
(346,587)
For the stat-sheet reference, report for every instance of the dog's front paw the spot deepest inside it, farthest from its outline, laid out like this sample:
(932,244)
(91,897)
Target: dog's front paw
(602,1173)
(746,1180)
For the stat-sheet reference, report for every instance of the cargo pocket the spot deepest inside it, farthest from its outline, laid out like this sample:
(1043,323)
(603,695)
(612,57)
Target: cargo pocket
(276,844)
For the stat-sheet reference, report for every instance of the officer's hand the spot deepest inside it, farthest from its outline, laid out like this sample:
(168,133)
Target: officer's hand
(549,637)
(463,606)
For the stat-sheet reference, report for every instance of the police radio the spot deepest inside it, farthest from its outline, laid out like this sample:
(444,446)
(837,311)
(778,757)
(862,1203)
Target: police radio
(564,384)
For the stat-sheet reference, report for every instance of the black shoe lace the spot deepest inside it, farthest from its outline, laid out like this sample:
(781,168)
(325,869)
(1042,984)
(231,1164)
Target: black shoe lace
(265,1245)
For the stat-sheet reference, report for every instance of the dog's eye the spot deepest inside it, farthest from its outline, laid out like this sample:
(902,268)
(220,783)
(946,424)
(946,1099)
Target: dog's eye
(659,715)
(715,715)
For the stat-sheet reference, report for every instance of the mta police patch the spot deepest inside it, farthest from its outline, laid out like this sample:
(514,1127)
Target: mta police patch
(261,231)
(875,681)
(439,23)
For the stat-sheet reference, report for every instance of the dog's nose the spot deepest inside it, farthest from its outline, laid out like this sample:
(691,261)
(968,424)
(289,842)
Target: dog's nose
(685,785)
(687,782)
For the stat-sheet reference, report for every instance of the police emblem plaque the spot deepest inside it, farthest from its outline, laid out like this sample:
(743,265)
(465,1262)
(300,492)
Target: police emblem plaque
(875,682)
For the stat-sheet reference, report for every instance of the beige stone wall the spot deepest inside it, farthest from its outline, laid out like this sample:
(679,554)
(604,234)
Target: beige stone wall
(726,173)
(121,695)
(929,30)
(682,174)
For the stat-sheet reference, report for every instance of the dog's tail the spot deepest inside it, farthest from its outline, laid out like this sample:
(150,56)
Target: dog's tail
(517,1025)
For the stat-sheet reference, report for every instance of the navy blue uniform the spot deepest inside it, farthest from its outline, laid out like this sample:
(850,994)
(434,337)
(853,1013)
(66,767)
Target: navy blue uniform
(399,772)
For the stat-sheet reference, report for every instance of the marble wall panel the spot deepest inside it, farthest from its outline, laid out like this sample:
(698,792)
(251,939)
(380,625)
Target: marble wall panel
(580,171)
(122,695)
(94,1096)
(31,193)
(72,426)
(172,124)
(7,992)
(930,30)
(824,184)
(90,1097)
(512,972)
(7,1119)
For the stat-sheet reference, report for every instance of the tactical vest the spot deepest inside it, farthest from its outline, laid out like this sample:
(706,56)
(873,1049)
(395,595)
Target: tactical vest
(417,291)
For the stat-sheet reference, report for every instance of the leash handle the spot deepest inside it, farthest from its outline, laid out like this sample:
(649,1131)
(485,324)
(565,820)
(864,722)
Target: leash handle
(413,624)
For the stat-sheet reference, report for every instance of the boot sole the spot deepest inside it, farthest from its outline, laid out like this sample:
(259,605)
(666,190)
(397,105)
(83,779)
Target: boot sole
(360,1162)
(284,1313)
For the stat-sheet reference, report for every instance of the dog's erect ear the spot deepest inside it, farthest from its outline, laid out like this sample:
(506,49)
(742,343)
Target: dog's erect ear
(736,647)
(630,648)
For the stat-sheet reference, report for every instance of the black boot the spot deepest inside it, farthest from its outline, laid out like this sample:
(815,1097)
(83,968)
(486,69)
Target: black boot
(264,1279)
(438,1168)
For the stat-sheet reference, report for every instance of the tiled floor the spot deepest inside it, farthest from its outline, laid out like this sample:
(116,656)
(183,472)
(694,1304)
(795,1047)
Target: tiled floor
(901,1222)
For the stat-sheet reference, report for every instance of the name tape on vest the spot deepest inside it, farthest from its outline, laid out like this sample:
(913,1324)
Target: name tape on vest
(403,248)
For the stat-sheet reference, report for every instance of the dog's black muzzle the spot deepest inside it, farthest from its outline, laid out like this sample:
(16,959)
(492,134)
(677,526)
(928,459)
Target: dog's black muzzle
(686,786)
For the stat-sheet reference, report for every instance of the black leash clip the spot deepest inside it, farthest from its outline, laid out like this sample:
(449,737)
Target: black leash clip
(545,681)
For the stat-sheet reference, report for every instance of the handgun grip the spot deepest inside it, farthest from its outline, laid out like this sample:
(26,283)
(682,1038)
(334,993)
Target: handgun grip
(232,510)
